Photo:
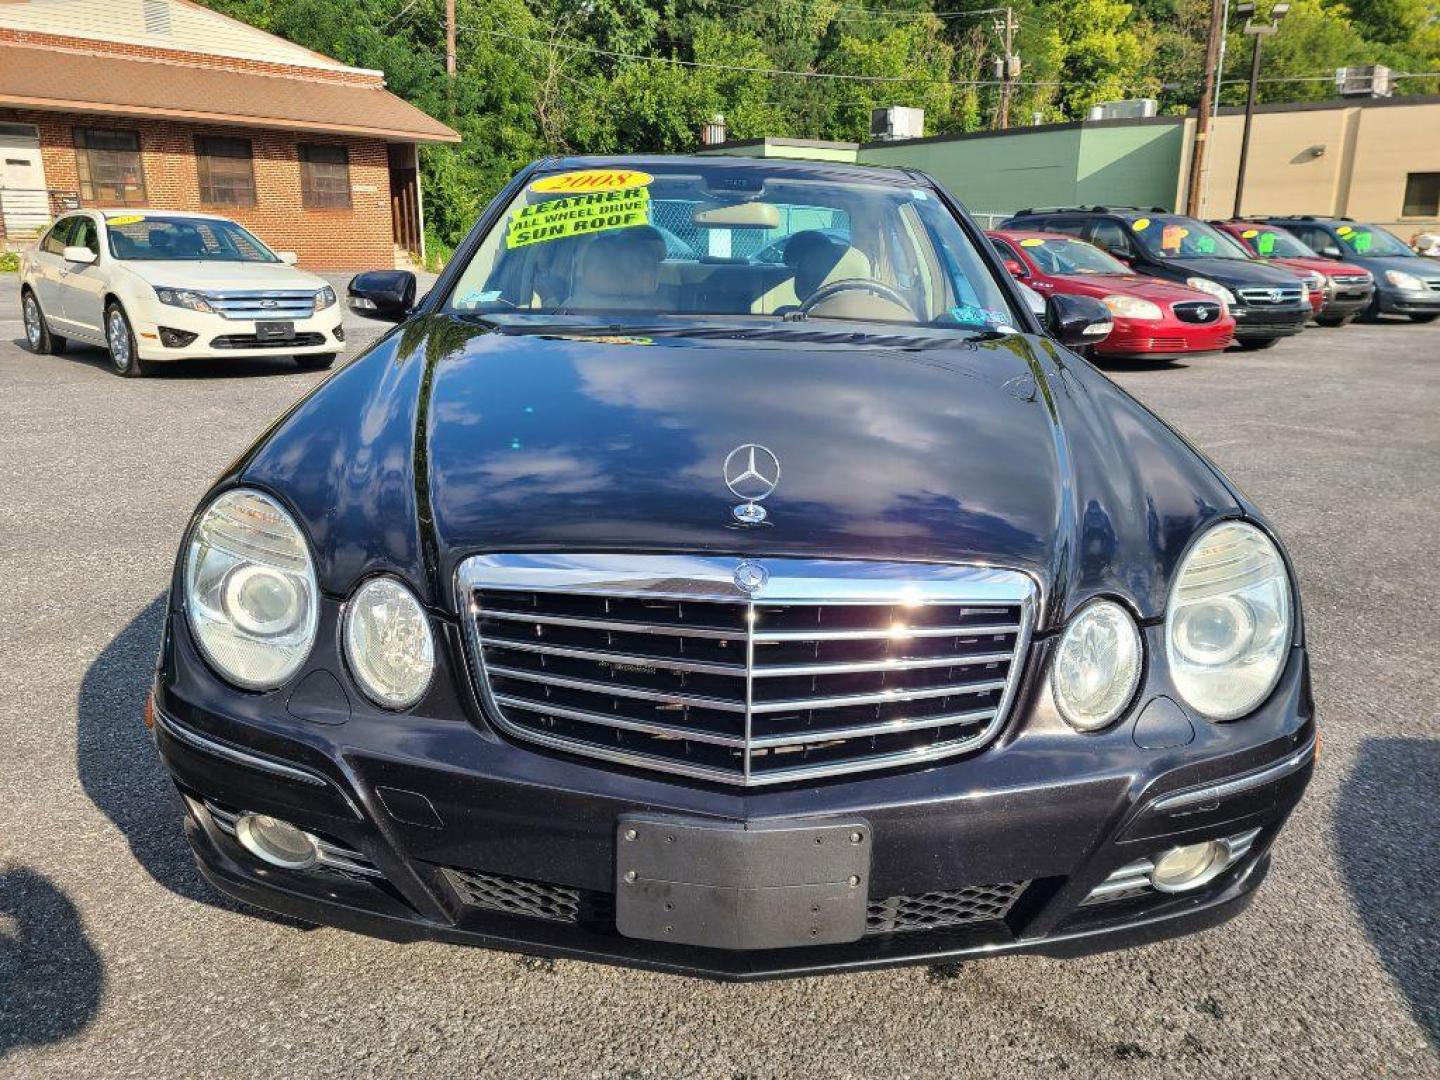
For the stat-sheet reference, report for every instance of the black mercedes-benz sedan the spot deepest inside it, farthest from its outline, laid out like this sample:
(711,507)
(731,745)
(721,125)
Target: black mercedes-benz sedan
(723,570)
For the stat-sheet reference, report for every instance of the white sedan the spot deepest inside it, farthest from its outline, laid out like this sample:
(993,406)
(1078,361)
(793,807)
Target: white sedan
(162,285)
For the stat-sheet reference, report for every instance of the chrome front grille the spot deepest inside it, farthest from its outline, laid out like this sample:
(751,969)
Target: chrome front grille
(664,662)
(264,303)
(1266,297)
(1351,281)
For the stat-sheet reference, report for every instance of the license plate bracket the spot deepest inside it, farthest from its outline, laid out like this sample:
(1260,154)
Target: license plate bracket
(274,331)
(741,885)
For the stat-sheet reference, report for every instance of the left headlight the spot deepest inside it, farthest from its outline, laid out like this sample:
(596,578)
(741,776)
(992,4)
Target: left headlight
(250,591)
(388,643)
(184,298)
(324,298)
(1132,307)
(1401,280)
(1097,666)
(1229,621)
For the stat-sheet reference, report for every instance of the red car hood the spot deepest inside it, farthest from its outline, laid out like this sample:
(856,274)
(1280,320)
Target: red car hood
(1327,267)
(1147,288)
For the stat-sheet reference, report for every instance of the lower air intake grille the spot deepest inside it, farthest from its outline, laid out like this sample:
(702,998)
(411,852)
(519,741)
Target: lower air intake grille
(668,663)
(533,899)
(936,910)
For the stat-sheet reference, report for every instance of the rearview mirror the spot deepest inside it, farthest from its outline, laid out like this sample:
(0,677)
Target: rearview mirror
(1077,320)
(1330,251)
(387,295)
(1015,267)
(80,255)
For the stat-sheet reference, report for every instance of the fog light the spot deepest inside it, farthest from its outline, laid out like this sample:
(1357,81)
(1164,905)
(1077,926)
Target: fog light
(339,333)
(1190,866)
(176,339)
(277,842)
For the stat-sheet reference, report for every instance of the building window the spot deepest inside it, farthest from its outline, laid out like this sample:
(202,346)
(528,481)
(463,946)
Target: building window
(325,176)
(1422,195)
(109,165)
(227,173)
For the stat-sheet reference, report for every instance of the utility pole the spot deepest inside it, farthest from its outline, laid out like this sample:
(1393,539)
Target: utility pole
(1207,106)
(1259,31)
(450,39)
(1007,67)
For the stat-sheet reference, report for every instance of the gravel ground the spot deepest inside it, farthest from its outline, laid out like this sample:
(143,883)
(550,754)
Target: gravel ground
(117,960)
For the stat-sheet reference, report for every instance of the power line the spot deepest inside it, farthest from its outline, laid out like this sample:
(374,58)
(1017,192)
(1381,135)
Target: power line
(863,13)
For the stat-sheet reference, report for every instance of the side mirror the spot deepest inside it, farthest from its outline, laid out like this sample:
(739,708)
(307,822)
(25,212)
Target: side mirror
(1016,268)
(80,255)
(289,258)
(1077,320)
(387,295)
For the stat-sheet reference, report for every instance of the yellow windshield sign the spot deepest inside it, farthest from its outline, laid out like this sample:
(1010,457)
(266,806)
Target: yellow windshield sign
(575,183)
(601,211)
(1032,242)
(1141,224)
(125,219)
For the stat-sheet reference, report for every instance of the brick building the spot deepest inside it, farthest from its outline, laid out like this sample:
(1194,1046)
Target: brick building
(165,104)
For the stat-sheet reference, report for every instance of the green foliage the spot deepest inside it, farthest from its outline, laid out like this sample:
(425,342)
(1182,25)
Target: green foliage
(9,262)
(538,77)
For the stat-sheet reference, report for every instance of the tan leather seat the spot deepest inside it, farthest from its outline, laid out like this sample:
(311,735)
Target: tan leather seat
(619,269)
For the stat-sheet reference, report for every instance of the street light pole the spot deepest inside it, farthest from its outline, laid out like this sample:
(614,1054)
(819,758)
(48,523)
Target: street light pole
(1258,31)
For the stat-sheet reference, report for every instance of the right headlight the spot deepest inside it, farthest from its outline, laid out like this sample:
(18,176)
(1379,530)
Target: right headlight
(1214,288)
(1132,307)
(184,298)
(1227,627)
(250,590)
(388,643)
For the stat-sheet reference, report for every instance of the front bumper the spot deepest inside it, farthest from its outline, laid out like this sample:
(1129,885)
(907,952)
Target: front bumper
(1341,303)
(1409,302)
(1263,324)
(217,336)
(1168,337)
(436,803)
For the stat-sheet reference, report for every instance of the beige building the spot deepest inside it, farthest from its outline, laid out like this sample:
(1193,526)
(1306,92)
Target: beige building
(1376,160)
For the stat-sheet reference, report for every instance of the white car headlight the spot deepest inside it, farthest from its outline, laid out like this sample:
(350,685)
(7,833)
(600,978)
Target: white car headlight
(1132,307)
(1229,620)
(250,590)
(1401,280)
(184,298)
(1214,288)
(388,643)
(324,298)
(1097,666)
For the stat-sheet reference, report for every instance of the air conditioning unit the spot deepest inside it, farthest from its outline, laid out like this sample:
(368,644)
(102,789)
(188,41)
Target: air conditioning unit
(1371,80)
(1129,109)
(897,122)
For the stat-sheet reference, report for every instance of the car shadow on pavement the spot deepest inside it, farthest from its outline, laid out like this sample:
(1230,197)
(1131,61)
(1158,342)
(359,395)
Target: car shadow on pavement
(51,977)
(1390,859)
(96,357)
(121,772)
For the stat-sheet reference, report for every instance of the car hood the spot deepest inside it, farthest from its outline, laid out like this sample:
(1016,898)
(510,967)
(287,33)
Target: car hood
(1235,273)
(1147,288)
(1420,265)
(1319,265)
(448,439)
(205,274)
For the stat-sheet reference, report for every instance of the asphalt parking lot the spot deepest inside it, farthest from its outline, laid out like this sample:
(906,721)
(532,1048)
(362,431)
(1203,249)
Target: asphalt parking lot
(116,959)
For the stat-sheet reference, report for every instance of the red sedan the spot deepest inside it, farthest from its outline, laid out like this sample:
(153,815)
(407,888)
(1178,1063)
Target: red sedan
(1154,319)
(1338,291)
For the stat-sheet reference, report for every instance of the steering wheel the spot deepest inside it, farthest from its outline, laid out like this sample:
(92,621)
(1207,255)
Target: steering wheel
(870,285)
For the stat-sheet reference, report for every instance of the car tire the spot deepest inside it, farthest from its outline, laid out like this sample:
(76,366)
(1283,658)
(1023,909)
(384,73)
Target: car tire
(1428,316)
(1333,321)
(1371,313)
(1256,344)
(37,330)
(315,361)
(124,357)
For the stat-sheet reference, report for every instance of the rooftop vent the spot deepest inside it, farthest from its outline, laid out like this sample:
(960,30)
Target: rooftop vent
(157,16)
(1372,81)
(897,122)
(1129,109)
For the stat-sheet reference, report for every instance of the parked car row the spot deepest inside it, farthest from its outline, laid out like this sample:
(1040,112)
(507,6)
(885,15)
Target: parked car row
(1178,286)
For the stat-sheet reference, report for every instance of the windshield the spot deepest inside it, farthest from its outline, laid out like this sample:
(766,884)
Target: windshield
(1065,255)
(149,237)
(1370,240)
(696,239)
(1169,237)
(1275,243)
